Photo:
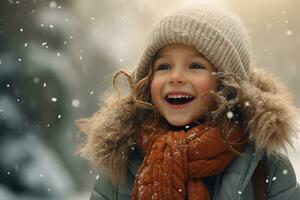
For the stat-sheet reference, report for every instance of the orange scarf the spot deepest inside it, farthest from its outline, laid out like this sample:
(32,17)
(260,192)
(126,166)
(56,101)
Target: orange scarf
(175,163)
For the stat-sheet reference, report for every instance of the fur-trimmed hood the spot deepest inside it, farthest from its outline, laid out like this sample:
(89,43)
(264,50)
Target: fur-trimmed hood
(272,122)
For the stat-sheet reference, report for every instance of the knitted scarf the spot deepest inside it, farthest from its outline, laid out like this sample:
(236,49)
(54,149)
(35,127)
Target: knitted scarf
(175,162)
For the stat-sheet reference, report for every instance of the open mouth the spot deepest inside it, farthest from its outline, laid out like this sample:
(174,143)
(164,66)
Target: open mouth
(179,99)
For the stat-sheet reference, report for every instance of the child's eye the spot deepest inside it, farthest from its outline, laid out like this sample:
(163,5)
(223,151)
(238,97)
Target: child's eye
(163,67)
(196,66)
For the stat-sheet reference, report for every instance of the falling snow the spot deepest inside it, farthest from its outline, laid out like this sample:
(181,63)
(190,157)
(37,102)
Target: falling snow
(229,115)
(53,99)
(289,32)
(58,116)
(36,80)
(19,59)
(52,4)
(285,172)
(21,29)
(75,103)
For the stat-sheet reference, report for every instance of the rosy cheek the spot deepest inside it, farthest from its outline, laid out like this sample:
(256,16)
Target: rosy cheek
(204,85)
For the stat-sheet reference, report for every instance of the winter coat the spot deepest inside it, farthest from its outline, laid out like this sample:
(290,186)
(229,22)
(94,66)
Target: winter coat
(272,123)
(233,184)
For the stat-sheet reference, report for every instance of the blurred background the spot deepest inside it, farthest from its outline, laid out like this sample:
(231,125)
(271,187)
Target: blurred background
(58,57)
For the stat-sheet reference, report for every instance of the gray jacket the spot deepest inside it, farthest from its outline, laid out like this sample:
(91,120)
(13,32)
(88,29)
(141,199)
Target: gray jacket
(233,184)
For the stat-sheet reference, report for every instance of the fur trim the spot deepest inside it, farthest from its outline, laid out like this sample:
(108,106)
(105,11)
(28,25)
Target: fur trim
(265,106)
(273,119)
(108,140)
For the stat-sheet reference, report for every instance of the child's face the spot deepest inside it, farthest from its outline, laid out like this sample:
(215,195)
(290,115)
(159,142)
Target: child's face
(181,76)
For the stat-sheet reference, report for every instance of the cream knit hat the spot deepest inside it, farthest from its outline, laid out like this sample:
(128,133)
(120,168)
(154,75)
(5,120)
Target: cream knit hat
(219,35)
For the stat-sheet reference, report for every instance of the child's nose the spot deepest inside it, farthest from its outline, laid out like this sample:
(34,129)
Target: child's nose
(177,77)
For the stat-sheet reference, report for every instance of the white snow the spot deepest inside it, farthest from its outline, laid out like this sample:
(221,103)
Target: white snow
(36,80)
(75,103)
(53,99)
(229,115)
(289,32)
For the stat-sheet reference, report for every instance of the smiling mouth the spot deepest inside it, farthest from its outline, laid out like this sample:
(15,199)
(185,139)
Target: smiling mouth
(179,99)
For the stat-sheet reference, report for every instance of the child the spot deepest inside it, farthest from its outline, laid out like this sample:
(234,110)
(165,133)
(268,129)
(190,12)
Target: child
(199,121)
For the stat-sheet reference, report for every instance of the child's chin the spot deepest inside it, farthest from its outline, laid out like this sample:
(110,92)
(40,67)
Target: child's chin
(178,123)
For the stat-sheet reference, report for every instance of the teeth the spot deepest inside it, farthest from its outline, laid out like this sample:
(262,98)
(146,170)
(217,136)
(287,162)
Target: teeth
(179,96)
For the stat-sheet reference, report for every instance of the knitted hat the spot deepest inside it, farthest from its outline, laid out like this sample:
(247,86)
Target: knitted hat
(219,35)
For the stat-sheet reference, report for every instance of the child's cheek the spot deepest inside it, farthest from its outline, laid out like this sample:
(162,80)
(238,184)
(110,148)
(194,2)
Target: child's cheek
(205,85)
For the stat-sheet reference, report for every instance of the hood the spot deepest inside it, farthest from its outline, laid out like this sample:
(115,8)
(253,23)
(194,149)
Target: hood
(272,122)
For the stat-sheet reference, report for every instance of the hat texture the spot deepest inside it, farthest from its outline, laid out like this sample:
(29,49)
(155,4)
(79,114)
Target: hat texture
(215,32)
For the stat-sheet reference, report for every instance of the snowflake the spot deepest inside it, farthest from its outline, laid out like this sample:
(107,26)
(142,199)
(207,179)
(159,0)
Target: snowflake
(53,99)
(285,172)
(75,103)
(229,115)
(289,32)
